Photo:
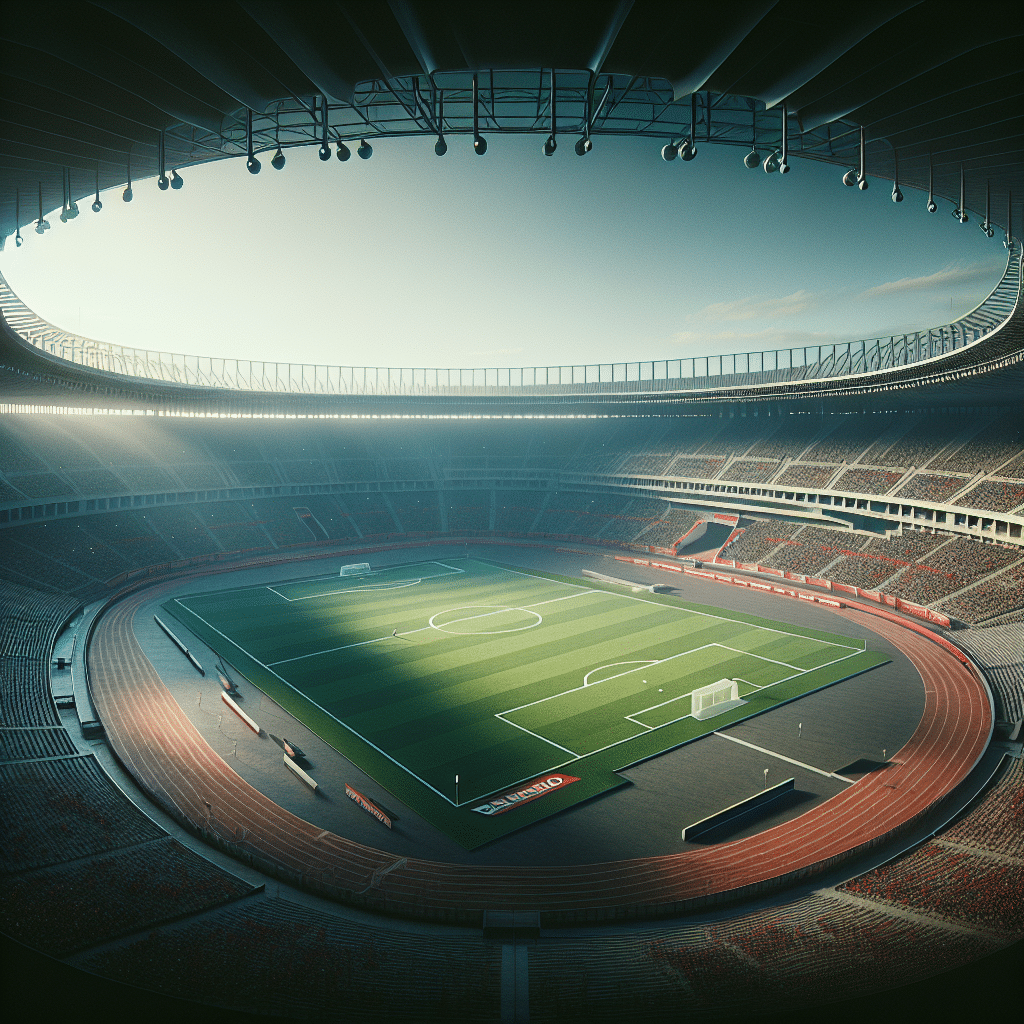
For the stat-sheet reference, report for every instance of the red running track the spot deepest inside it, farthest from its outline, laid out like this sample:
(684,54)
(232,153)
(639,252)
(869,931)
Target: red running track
(169,758)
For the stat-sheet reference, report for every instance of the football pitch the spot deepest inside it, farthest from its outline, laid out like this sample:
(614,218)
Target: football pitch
(422,672)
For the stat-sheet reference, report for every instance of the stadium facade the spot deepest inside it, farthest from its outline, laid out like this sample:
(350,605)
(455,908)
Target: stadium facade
(886,475)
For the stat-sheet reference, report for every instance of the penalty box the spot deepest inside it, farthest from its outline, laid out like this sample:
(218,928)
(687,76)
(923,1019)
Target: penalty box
(618,701)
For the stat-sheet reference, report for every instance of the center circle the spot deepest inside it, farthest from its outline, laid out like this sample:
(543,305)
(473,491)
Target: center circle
(475,616)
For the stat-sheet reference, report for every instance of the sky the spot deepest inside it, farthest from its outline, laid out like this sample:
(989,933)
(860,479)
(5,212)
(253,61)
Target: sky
(509,259)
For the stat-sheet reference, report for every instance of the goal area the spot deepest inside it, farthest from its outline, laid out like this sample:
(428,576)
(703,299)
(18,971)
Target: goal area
(356,569)
(715,698)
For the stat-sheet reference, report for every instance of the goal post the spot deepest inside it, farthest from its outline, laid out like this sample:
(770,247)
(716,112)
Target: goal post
(356,569)
(715,698)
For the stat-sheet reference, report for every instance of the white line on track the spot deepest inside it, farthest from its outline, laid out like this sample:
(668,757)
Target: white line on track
(782,757)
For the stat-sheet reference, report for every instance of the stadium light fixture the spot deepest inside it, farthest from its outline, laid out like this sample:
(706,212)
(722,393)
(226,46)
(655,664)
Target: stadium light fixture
(669,151)
(583,145)
(784,155)
(862,174)
(753,158)
(252,164)
(932,205)
(127,194)
(479,142)
(440,147)
(688,147)
(850,177)
(278,161)
(64,195)
(343,152)
(162,181)
(986,224)
(18,240)
(771,163)
(365,150)
(42,224)
(96,204)
(550,145)
(960,212)
(897,195)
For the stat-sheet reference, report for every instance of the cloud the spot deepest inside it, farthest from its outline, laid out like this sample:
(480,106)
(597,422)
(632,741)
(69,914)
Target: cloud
(953,276)
(756,307)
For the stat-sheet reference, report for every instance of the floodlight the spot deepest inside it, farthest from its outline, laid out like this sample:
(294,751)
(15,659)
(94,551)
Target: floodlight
(96,206)
(127,194)
(783,167)
(897,195)
(163,181)
(18,240)
(479,142)
(932,206)
(440,147)
(687,150)
(277,161)
(176,180)
(862,184)
(324,151)
(73,210)
(64,196)
(583,146)
(365,150)
(771,163)
(668,152)
(549,147)
(752,159)
(343,153)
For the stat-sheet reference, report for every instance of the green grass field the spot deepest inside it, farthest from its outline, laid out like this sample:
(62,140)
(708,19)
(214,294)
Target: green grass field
(420,672)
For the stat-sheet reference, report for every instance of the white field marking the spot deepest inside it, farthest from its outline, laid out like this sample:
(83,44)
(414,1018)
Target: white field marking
(573,689)
(691,611)
(614,664)
(380,586)
(782,757)
(544,738)
(497,610)
(306,697)
(761,657)
(344,647)
(766,686)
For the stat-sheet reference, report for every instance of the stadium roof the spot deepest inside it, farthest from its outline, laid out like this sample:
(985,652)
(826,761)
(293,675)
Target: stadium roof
(90,86)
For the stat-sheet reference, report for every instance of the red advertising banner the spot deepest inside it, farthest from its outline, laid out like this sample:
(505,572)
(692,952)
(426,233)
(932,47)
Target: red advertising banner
(831,602)
(889,600)
(725,561)
(797,577)
(871,595)
(761,586)
(531,791)
(367,805)
(634,561)
(816,582)
(845,588)
(805,597)
(724,517)
(667,566)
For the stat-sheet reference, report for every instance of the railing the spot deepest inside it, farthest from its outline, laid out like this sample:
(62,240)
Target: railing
(692,374)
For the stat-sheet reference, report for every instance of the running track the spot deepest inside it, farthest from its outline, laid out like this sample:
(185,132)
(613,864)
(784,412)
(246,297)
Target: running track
(169,758)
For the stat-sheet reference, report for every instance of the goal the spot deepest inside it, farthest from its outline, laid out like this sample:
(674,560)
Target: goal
(715,698)
(356,569)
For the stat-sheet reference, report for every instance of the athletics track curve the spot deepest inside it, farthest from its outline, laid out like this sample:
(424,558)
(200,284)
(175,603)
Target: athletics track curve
(168,757)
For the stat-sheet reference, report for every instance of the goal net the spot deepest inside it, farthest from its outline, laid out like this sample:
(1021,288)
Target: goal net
(356,569)
(715,698)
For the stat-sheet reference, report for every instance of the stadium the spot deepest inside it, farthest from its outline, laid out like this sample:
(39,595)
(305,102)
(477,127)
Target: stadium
(611,691)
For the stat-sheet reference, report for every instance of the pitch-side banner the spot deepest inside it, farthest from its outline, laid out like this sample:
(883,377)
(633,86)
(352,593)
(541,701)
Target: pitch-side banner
(531,791)
(367,805)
